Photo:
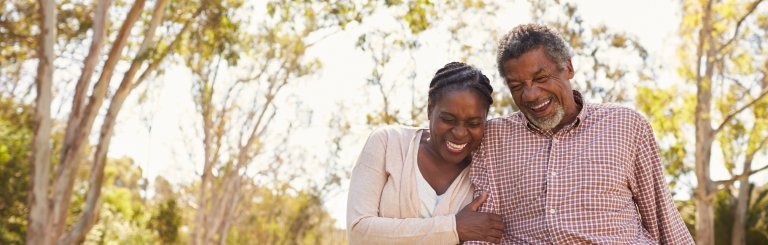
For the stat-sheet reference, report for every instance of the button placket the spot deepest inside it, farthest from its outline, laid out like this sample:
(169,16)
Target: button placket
(551,183)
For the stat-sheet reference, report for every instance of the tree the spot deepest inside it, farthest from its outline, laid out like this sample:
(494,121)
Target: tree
(599,76)
(394,49)
(236,95)
(722,45)
(756,216)
(41,150)
(48,215)
(721,42)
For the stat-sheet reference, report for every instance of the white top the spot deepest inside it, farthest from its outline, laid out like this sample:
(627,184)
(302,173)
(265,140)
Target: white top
(429,199)
(384,203)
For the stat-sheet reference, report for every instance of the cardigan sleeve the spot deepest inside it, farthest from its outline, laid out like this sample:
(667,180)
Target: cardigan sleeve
(364,226)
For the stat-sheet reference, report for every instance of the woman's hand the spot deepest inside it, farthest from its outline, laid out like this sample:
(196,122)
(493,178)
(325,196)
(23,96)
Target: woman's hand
(476,226)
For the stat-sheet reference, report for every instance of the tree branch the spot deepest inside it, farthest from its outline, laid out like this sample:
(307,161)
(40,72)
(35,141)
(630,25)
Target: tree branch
(744,107)
(84,127)
(751,9)
(160,57)
(99,36)
(730,181)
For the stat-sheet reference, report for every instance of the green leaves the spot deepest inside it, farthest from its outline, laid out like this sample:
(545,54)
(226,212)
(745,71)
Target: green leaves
(166,222)
(418,14)
(15,139)
(668,110)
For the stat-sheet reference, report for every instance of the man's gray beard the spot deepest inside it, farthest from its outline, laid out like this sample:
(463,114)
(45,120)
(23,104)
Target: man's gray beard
(549,123)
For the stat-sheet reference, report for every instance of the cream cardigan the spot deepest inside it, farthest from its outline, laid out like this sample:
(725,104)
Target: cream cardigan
(383,204)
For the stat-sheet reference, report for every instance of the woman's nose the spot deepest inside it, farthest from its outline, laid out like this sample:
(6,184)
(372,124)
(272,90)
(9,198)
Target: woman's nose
(459,131)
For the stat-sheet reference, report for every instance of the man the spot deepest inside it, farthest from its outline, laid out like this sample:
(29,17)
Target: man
(562,171)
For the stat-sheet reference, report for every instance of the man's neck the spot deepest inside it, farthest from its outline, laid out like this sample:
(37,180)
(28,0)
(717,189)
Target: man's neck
(571,112)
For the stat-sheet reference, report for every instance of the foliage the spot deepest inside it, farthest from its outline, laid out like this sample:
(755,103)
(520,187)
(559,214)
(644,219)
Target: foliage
(15,138)
(394,87)
(240,62)
(124,215)
(19,27)
(757,216)
(283,216)
(667,111)
(600,75)
(166,222)
(722,55)
(122,211)
(239,70)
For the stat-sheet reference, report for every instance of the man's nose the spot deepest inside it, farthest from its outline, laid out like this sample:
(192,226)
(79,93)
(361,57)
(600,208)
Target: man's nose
(531,93)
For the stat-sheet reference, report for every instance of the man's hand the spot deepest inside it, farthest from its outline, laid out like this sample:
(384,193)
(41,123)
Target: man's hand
(475,226)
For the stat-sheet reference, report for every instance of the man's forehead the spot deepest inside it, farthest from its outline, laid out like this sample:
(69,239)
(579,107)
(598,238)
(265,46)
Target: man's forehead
(525,73)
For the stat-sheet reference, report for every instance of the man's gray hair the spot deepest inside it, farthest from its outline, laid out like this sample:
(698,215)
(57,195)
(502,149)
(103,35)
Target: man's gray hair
(527,37)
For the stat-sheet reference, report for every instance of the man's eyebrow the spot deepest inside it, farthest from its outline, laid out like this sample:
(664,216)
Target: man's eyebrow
(538,72)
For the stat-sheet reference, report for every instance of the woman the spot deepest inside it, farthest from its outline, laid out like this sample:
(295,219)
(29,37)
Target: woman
(411,185)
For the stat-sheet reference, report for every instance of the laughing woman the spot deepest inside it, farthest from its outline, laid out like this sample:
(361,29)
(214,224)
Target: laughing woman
(411,185)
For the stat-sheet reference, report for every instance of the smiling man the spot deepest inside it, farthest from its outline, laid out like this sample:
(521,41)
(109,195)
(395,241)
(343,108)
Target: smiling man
(562,171)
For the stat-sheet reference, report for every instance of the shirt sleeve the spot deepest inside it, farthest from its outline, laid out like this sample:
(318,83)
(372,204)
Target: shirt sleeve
(650,192)
(478,175)
(364,226)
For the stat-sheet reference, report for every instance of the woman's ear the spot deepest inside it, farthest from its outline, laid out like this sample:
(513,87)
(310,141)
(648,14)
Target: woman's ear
(429,109)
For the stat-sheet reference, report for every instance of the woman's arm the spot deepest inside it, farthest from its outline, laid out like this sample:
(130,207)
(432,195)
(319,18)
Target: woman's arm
(364,225)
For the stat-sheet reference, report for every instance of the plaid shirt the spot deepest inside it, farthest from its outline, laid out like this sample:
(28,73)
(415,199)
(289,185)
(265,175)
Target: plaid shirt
(597,180)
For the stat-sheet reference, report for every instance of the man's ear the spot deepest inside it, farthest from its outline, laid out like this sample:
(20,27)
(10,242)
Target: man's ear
(569,67)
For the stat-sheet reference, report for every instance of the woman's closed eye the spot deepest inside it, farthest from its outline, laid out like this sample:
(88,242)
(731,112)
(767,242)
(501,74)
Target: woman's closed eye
(448,119)
(474,124)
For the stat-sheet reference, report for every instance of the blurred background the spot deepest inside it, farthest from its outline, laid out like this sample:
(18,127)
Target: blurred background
(238,122)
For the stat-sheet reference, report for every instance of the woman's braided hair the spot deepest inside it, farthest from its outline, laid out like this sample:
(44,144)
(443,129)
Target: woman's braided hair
(457,75)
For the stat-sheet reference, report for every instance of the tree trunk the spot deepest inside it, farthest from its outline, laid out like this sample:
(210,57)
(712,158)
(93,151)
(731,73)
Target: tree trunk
(206,110)
(705,224)
(738,234)
(64,179)
(41,144)
(704,211)
(65,174)
(88,218)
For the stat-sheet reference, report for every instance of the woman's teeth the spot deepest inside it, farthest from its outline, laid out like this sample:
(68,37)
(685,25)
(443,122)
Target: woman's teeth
(455,147)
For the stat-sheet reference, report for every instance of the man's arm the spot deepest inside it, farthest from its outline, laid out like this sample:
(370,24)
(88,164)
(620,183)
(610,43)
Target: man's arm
(478,175)
(650,192)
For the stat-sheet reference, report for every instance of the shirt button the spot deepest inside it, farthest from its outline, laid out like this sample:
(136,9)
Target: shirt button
(552,211)
(554,174)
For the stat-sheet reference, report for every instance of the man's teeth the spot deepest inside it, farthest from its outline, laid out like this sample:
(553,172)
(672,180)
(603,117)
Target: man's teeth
(539,106)
(457,147)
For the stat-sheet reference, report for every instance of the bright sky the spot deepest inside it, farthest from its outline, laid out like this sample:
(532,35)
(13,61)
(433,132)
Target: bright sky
(166,150)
